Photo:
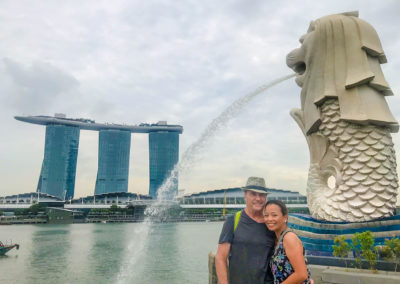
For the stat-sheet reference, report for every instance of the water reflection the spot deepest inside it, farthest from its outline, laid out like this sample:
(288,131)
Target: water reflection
(95,253)
(78,264)
(48,259)
(175,253)
(196,241)
(161,256)
(107,250)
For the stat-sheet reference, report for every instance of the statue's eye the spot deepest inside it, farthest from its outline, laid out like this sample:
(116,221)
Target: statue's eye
(302,38)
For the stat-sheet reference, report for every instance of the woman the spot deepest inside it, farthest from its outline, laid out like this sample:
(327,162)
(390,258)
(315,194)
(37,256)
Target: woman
(287,263)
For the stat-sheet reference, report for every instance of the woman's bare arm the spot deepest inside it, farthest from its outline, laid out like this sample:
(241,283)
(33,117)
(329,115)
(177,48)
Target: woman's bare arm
(294,251)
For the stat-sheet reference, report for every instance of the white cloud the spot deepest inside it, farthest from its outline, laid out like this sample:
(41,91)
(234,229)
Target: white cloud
(38,87)
(180,61)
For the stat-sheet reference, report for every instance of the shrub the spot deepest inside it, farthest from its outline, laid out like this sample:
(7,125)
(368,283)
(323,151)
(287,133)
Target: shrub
(114,208)
(363,246)
(391,251)
(367,248)
(342,248)
(36,208)
(356,247)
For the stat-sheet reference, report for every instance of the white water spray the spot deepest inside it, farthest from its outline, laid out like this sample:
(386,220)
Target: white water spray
(189,156)
(159,208)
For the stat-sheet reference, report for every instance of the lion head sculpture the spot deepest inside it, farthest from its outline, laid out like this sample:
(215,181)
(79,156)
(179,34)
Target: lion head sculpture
(340,58)
(346,120)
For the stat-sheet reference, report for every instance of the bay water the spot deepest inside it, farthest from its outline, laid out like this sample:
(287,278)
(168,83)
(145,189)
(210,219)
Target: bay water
(124,252)
(95,253)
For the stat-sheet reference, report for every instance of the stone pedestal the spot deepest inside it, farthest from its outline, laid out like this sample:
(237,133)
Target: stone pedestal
(338,275)
(318,236)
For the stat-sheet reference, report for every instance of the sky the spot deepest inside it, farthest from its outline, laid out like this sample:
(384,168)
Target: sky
(181,61)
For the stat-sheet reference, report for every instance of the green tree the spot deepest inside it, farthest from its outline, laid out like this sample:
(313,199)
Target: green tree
(342,248)
(130,209)
(19,212)
(367,247)
(174,211)
(114,207)
(36,208)
(363,246)
(392,250)
(356,247)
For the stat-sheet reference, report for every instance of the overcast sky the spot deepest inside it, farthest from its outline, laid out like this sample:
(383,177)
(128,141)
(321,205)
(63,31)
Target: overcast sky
(181,61)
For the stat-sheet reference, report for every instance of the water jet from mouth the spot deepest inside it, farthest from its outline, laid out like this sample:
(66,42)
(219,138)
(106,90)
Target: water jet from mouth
(158,210)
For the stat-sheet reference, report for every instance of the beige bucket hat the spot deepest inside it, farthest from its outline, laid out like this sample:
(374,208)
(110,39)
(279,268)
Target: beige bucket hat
(256,184)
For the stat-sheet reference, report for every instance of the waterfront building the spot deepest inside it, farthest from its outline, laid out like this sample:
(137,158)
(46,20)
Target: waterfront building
(218,203)
(233,198)
(113,161)
(57,176)
(26,200)
(117,198)
(59,215)
(62,141)
(164,155)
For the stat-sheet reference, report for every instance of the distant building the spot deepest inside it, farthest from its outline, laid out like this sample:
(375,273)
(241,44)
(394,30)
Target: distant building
(117,198)
(164,155)
(26,200)
(113,165)
(105,200)
(57,177)
(234,198)
(59,215)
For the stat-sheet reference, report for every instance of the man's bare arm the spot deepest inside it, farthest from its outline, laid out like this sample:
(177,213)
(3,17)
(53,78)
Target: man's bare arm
(221,262)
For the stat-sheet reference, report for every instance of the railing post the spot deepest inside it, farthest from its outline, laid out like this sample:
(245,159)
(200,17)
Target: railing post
(212,273)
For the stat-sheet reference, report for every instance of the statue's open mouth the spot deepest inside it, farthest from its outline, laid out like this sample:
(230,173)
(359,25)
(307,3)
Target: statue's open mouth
(295,61)
(300,68)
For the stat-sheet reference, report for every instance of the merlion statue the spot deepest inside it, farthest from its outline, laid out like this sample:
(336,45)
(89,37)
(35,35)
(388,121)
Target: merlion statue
(346,120)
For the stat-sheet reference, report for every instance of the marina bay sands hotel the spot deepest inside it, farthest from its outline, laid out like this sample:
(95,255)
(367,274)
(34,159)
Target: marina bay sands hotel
(57,176)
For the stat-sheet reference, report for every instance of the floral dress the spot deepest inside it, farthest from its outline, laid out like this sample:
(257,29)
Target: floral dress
(280,264)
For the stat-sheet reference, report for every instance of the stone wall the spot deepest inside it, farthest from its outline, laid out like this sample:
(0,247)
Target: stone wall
(339,275)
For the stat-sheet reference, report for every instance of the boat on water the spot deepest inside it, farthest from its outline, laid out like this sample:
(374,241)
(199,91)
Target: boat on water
(5,248)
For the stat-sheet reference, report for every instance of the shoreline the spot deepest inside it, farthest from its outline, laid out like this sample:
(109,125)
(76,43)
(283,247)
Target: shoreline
(105,221)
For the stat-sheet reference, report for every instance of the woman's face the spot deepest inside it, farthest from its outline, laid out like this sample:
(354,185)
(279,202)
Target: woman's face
(273,218)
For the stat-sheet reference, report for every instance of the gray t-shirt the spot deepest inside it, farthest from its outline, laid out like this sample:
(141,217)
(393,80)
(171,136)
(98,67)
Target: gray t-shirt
(251,246)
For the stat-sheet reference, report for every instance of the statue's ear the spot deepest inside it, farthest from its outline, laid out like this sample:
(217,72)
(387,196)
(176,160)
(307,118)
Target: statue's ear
(350,14)
(311,27)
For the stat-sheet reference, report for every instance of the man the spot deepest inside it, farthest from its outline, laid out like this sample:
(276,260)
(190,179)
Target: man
(247,244)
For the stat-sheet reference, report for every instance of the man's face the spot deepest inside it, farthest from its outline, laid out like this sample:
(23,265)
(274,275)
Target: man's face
(255,201)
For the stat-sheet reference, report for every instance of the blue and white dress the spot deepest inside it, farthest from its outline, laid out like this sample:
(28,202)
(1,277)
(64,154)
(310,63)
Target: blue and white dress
(280,264)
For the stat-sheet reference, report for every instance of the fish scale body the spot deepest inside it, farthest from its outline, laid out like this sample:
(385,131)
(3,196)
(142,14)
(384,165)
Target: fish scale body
(367,182)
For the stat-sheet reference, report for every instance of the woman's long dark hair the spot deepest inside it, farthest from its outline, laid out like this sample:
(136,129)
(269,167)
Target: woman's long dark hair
(279,203)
